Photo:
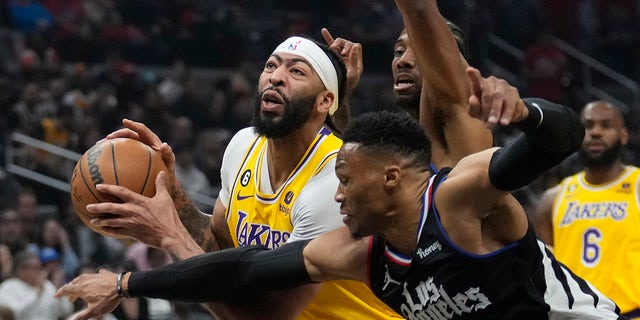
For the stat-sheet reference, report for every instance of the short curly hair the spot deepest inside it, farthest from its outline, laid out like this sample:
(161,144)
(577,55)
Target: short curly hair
(392,133)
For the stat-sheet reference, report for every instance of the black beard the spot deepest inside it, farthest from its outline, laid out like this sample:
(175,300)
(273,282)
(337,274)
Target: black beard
(604,160)
(296,113)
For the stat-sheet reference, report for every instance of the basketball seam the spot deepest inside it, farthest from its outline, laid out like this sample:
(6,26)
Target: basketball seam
(146,179)
(113,160)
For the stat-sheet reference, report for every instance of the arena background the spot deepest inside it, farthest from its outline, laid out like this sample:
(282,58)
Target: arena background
(70,70)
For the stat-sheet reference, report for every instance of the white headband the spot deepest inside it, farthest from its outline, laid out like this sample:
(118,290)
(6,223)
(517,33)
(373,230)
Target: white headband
(318,60)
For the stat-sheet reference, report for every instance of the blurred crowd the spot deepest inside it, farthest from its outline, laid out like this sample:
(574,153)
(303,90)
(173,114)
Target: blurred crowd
(71,70)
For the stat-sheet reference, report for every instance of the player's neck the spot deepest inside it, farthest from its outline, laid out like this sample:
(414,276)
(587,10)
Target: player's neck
(402,230)
(284,154)
(595,175)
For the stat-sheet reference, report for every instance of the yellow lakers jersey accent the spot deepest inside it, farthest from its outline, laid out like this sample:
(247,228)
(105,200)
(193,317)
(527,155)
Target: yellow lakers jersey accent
(255,217)
(596,234)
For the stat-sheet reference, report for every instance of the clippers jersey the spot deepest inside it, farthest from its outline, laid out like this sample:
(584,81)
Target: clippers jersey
(441,281)
(255,217)
(596,234)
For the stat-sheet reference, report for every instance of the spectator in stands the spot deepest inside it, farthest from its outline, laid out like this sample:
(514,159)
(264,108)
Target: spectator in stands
(55,237)
(210,147)
(6,263)
(29,16)
(193,179)
(29,294)
(52,266)
(92,246)
(26,207)
(28,110)
(12,232)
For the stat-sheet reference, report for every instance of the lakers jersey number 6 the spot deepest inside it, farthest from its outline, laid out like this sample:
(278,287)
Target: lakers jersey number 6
(591,225)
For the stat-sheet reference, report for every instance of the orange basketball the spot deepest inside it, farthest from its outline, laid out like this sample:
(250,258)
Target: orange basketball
(121,161)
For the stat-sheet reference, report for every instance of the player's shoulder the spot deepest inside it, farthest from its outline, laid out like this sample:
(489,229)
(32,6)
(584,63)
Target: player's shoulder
(549,196)
(553,191)
(245,134)
(241,140)
(633,168)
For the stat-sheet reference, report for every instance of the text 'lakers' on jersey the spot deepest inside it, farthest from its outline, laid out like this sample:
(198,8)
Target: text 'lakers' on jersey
(590,226)
(259,218)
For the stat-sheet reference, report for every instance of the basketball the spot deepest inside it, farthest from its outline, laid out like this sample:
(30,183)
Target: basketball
(121,161)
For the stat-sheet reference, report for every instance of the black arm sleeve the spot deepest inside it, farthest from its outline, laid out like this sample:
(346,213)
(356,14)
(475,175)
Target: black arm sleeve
(224,274)
(551,132)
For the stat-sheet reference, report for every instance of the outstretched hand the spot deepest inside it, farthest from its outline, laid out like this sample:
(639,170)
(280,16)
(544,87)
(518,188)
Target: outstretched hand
(351,53)
(494,100)
(98,290)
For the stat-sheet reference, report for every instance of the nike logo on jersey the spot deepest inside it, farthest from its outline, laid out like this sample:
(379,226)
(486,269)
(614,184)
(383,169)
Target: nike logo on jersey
(240,198)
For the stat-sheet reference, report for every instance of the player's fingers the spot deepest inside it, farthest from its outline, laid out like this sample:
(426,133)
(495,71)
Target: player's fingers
(146,135)
(345,48)
(69,290)
(497,103)
(62,291)
(122,133)
(168,157)
(120,192)
(161,183)
(328,38)
(72,298)
(108,218)
(111,219)
(475,107)
(355,56)
(83,315)
(488,97)
(510,103)
(355,60)
(507,115)
(122,232)
(113,224)
(476,80)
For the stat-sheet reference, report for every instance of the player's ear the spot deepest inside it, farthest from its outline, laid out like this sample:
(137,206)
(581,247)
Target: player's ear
(325,101)
(391,176)
(624,136)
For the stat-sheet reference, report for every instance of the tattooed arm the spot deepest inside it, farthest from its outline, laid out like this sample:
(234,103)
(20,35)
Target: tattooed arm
(210,232)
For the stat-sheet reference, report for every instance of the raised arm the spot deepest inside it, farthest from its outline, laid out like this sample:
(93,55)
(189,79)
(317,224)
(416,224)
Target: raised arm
(351,53)
(445,87)
(227,273)
(489,218)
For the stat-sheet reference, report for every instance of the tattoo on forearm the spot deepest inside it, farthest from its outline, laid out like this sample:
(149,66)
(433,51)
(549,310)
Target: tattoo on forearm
(196,222)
